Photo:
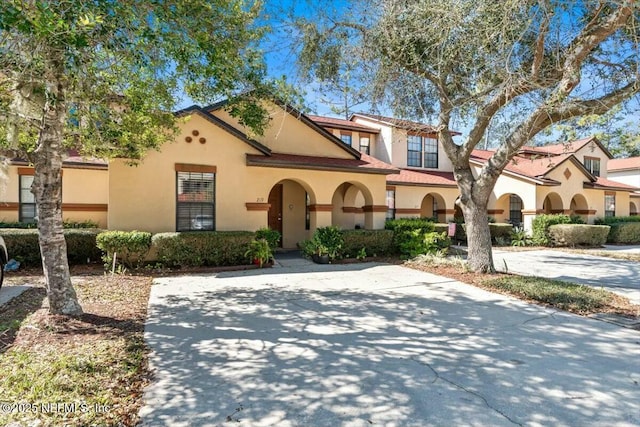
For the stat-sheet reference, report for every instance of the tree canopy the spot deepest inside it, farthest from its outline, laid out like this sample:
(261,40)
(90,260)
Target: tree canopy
(103,78)
(530,63)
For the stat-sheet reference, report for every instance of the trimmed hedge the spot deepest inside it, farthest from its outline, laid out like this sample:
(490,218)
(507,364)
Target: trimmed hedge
(202,248)
(130,247)
(578,234)
(609,220)
(500,231)
(375,242)
(624,232)
(23,245)
(540,227)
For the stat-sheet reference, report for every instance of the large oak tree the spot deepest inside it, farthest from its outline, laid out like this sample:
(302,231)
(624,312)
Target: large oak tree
(103,77)
(531,63)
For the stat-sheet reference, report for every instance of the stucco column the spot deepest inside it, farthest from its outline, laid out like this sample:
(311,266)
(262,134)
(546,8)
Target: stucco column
(321,215)
(527,218)
(374,216)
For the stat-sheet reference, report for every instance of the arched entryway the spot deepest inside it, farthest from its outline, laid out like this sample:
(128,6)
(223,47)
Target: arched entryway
(433,206)
(508,209)
(633,209)
(552,204)
(580,207)
(349,202)
(289,202)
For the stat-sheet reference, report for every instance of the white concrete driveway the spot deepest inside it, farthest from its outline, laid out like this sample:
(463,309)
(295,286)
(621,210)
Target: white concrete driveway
(615,275)
(377,345)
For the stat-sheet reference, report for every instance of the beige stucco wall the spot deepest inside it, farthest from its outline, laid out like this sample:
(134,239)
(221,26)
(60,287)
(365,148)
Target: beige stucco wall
(412,197)
(287,134)
(144,196)
(592,150)
(80,186)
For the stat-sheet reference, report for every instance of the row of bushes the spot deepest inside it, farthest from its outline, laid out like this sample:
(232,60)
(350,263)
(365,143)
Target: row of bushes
(624,229)
(65,224)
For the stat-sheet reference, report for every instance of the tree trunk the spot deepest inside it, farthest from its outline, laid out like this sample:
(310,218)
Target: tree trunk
(479,255)
(47,188)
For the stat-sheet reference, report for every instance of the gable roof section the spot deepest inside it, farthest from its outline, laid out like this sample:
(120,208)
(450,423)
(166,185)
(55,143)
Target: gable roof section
(630,163)
(300,116)
(342,124)
(533,169)
(195,109)
(607,184)
(566,148)
(422,178)
(399,123)
(366,164)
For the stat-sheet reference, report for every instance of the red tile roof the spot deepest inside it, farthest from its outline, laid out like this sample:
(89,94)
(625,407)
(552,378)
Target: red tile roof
(342,124)
(623,164)
(566,147)
(413,177)
(530,168)
(366,164)
(603,183)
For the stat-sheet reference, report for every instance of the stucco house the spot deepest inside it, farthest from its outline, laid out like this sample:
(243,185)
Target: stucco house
(85,191)
(627,171)
(214,176)
(566,178)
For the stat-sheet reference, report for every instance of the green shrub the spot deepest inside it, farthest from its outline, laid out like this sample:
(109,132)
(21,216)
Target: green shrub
(130,247)
(403,227)
(578,234)
(608,220)
(65,224)
(330,238)
(441,228)
(23,245)
(374,242)
(541,224)
(415,242)
(520,237)
(271,236)
(202,248)
(624,232)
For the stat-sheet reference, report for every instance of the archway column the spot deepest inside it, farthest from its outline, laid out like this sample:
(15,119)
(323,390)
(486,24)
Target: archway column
(320,215)
(374,216)
(527,218)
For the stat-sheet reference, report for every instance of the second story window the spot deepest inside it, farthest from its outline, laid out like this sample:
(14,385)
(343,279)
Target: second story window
(365,145)
(592,164)
(414,150)
(346,138)
(430,153)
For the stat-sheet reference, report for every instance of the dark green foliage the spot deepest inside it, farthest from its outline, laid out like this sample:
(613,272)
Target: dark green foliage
(403,227)
(541,224)
(625,232)
(519,237)
(205,248)
(23,245)
(331,239)
(259,250)
(65,224)
(374,242)
(414,243)
(271,236)
(130,247)
(578,234)
(608,220)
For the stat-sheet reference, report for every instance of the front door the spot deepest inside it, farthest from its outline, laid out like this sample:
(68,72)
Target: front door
(275,210)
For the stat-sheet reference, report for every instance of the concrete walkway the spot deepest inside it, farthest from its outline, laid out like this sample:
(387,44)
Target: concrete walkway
(619,276)
(371,344)
(7,293)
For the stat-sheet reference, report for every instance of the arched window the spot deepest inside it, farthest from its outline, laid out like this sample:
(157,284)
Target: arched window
(515,210)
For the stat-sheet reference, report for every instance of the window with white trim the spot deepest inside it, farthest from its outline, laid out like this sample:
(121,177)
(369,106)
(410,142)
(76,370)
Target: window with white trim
(391,204)
(592,164)
(365,142)
(346,138)
(430,153)
(610,204)
(414,151)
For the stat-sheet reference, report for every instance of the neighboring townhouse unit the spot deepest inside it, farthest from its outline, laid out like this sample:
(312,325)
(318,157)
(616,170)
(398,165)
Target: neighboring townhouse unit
(85,191)
(627,171)
(566,178)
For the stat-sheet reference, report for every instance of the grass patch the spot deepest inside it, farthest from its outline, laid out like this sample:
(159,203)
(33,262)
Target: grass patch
(77,371)
(563,295)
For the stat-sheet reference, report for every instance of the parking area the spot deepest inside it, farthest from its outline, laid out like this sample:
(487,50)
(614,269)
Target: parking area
(374,344)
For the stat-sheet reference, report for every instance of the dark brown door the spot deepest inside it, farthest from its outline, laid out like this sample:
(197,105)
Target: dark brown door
(275,210)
